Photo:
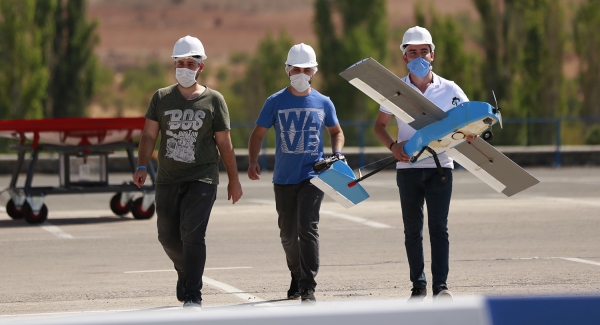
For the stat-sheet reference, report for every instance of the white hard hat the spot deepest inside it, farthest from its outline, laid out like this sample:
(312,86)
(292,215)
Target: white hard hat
(414,36)
(187,47)
(302,56)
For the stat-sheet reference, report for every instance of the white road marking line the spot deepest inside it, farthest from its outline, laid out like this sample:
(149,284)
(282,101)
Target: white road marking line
(234,291)
(579,260)
(563,199)
(356,219)
(344,216)
(55,230)
(206,269)
(36,239)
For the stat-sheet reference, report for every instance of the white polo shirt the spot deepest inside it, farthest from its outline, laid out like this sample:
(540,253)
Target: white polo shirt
(442,93)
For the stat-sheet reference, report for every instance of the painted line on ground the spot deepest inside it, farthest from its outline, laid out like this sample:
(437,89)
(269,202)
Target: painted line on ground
(206,269)
(56,231)
(571,259)
(41,239)
(234,291)
(360,220)
(563,199)
(580,260)
(2,209)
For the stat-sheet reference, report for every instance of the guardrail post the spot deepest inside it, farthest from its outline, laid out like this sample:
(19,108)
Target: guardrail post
(557,155)
(361,144)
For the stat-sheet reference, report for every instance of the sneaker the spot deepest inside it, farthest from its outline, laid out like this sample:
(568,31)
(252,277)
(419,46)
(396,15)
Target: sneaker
(308,297)
(192,301)
(294,291)
(442,293)
(180,290)
(417,294)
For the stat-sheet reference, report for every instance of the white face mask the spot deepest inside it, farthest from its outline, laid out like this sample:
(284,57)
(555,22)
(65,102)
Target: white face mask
(185,77)
(300,82)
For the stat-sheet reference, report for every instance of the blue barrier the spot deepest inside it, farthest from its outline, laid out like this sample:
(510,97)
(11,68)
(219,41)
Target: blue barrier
(362,133)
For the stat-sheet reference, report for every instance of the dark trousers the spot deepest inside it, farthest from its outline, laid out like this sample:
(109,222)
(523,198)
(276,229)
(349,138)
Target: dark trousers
(298,208)
(182,213)
(417,185)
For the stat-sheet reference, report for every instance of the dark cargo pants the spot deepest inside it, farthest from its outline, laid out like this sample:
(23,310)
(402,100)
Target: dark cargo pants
(298,208)
(183,210)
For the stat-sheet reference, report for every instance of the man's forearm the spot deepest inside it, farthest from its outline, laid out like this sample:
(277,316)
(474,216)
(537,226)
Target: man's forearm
(254,147)
(337,142)
(145,149)
(228,157)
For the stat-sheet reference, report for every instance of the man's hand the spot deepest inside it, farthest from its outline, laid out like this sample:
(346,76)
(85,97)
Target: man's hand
(254,171)
(234,191)
(398,151)
(139,177)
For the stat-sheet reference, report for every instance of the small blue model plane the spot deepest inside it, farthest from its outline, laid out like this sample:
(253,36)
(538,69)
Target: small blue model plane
(437,132)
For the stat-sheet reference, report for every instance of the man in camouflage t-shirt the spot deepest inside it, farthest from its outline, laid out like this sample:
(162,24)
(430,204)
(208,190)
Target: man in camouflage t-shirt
(193,123)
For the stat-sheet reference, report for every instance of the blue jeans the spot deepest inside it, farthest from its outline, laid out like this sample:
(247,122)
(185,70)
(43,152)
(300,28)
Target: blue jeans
(416,186)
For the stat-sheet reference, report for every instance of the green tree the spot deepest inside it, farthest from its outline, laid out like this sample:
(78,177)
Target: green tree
(451,59)
(524,46)
(587,47)
(73,65)
(265,73)
(23,75)
(364,33)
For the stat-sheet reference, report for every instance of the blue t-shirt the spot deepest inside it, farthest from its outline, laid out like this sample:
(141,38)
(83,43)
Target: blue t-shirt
(299,125)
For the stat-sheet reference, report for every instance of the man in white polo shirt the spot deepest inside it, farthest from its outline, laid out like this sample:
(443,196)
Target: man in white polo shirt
(421,182)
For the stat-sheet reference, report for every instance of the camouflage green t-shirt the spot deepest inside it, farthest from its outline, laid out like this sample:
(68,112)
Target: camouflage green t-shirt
(188,150)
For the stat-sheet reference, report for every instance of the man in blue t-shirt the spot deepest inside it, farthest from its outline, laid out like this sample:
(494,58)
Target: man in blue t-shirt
(298,113)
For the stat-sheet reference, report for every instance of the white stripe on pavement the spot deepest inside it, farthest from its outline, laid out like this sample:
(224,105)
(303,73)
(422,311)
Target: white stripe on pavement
(344,216)
(206,269)
(234,291)
(356,219)
(564,199)
(55,230)
(579,260)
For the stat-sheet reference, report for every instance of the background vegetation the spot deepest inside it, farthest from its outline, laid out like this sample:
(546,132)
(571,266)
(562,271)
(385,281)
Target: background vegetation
(541,58)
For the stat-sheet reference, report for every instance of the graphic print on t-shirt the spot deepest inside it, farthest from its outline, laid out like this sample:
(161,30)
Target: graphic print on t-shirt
(181,146)
(300,129)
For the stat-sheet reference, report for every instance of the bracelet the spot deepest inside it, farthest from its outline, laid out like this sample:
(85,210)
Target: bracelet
(142,167)
(393,143)
(335,152)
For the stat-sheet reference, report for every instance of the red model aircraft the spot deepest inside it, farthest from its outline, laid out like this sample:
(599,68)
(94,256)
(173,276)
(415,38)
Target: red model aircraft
(84,145)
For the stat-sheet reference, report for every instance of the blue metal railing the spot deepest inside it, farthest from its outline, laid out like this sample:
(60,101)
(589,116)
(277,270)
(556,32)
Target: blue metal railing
(363,125)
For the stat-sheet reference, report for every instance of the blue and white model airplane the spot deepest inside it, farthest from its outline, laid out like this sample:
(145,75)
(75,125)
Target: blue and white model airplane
(437,132)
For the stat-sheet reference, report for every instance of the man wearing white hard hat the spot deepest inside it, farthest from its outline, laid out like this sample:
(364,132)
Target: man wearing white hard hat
(298,113)
(193,122)
(421,182)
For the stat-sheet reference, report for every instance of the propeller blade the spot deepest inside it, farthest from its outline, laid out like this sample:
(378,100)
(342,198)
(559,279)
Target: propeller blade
(495,100)
(500,118)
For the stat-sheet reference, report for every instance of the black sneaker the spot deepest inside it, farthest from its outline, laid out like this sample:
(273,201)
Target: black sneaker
(180,290)
(192,301)
(442,293)
(417,295)
(308,297)
(294,291)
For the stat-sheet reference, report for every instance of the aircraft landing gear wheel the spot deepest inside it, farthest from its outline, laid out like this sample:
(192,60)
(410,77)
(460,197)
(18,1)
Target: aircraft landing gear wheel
(115,205)
(32,218)
(136,210)
(487,136)
(12,210)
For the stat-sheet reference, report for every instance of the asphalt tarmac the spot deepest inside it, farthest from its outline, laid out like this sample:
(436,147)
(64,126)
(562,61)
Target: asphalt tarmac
(543,241)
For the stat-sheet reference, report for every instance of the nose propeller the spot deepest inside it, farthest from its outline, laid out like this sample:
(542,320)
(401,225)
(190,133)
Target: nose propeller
(498,113)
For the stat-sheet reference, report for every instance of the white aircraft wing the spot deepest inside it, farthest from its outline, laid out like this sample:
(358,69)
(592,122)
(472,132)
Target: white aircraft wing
(391,92)
(492,167)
